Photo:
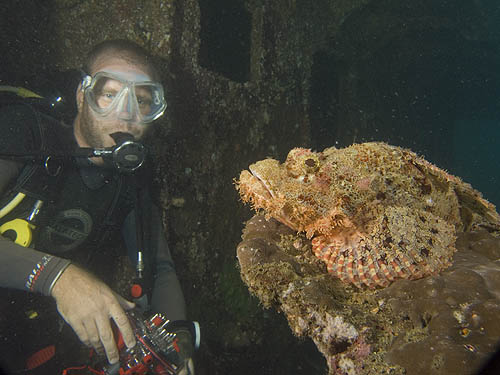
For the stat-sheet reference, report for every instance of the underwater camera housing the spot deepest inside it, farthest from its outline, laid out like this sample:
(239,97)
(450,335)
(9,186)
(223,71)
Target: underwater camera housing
(156,350)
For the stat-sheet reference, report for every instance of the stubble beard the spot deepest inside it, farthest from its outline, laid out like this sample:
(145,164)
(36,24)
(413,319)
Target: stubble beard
(96,133)
(91,130)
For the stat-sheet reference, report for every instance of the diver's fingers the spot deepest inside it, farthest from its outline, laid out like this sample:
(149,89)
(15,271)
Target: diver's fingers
(80,331)
(106,338)
(93,335)
(123,324)
(125,304)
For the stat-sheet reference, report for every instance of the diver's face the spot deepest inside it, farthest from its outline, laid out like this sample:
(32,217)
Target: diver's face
(93,130)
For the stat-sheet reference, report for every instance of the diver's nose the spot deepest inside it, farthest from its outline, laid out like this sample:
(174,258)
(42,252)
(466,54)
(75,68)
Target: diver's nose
(126,108)
(125,113)
(125,116)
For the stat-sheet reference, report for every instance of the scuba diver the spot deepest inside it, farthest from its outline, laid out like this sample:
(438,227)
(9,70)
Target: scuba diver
(70,195)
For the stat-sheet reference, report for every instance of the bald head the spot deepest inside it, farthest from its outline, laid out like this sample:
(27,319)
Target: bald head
(120,49)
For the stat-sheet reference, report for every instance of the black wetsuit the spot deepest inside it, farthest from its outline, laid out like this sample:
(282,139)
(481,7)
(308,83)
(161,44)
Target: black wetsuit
(89,212)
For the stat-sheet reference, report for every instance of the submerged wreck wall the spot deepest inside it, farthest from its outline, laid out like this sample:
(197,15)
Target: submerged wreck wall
(237,80)
(250,79)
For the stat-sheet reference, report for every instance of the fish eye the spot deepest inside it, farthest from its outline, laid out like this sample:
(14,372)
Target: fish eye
(311,164)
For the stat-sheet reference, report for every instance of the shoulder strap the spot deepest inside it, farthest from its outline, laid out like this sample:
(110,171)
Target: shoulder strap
(27,132)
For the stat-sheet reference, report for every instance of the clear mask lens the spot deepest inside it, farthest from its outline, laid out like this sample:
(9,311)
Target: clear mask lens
(107,94)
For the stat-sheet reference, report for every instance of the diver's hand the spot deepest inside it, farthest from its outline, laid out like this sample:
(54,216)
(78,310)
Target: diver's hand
(87,304)
(185,353)
(188,368)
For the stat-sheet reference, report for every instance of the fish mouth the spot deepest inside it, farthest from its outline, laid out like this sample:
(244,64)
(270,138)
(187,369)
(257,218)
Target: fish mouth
(260,186)
(253,188)
(264,197)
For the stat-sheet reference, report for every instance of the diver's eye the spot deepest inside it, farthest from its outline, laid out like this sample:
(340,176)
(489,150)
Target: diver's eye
(104,99)
(144,101)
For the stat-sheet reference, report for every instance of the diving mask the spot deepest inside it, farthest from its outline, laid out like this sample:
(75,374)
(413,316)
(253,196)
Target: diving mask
(113,94)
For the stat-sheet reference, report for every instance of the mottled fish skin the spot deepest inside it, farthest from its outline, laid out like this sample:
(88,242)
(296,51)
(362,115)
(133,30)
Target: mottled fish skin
(375,213)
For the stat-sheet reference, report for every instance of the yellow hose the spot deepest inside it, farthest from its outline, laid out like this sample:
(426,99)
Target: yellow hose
(20,91)
(25,93)
(12,204)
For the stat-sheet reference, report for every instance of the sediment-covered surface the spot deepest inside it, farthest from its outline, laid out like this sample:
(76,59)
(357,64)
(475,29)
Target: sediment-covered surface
(442,324)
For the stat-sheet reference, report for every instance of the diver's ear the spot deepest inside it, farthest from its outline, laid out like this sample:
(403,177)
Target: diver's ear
(79,97)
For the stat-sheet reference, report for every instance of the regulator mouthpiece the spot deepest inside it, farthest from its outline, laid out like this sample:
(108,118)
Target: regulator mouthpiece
(126,156)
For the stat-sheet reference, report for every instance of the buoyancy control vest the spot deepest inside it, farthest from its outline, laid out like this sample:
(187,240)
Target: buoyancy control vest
(84,206)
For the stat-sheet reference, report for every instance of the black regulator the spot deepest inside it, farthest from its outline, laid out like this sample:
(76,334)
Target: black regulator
(126,156)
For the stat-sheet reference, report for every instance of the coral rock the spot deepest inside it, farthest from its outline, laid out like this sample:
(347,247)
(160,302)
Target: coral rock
(438,325)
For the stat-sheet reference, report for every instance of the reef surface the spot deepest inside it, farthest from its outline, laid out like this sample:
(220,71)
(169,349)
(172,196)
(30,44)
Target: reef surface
(437,325)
